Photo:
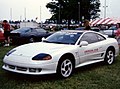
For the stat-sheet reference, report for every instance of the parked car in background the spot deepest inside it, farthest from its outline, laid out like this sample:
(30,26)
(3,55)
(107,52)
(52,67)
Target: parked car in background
(80,28)
(96,29)
(110,32)
(28,34)
(92,28)
(2,38)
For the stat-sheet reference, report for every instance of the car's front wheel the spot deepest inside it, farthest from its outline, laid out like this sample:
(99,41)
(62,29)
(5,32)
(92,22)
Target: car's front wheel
(65,68)
(110,56)
(32,39)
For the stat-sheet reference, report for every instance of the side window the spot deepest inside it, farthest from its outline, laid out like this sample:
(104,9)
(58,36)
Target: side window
(41,30)
(89,37)
(33,31)
(101,38)
(26,31)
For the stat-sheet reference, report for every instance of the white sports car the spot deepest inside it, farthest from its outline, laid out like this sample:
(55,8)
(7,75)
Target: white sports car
(61,52)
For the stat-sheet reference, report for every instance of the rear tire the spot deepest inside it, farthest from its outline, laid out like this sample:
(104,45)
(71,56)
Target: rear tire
(32,39)
(65,68)
(109,57)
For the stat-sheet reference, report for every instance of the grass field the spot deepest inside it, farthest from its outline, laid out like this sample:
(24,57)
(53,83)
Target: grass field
(96,76)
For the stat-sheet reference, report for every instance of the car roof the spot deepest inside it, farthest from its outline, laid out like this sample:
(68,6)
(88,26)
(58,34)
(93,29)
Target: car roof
(81,31)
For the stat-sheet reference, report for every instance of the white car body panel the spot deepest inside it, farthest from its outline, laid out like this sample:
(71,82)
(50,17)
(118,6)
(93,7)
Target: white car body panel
(23,55)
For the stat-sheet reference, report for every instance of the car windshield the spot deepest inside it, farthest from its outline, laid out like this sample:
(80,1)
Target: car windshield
(63,37)
(41,30)
(113,28)
(24,29)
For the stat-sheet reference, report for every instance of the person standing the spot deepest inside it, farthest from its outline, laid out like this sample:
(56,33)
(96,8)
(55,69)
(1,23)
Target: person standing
(87,25)
(117,34)
(6,28)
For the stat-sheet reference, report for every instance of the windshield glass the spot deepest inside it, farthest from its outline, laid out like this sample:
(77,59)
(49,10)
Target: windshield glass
(113,28)
(63,37)
(24,29)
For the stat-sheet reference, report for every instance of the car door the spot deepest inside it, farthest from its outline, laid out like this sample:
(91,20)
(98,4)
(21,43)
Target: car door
(94,50)
(33,32)
(42,32)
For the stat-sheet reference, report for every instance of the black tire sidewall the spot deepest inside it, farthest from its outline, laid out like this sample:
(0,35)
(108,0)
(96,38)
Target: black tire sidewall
(106,59)
(59,67)
(33,39)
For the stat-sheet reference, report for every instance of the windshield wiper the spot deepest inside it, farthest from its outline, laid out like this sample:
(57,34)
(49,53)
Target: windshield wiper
(56,42)
(53,42)
(46,41)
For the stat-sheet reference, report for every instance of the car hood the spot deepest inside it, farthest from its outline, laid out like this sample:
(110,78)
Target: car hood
(15,31)
(33,49)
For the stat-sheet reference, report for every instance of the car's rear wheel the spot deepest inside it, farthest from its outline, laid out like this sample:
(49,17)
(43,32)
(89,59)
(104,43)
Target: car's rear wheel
(65,68)
(32,39)
(110,56)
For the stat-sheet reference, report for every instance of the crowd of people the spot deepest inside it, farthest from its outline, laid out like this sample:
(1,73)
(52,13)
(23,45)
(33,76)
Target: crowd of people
(6,27)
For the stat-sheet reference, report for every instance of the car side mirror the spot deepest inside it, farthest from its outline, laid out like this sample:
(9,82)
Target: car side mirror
(83,43)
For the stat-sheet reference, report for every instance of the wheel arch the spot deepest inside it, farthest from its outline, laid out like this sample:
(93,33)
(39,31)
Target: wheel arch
(68,55)
(32,36)
(71,57)
(109,58)
(111,48)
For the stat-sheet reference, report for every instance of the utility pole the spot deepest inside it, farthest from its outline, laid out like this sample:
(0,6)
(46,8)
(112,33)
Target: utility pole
(11,14)
(79,12)
(40,13)
(25,13)
(20,17)
(40,17)
(105,9)
(59,13)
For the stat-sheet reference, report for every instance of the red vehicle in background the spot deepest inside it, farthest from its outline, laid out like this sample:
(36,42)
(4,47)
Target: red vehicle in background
(2,38)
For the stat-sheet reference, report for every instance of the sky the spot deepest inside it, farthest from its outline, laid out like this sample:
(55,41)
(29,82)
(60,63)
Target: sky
(112,9)
(30,9)
(21,9)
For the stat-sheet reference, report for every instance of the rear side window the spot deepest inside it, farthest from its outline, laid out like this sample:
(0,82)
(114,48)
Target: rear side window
(92,37)
(41,30)
(100,37)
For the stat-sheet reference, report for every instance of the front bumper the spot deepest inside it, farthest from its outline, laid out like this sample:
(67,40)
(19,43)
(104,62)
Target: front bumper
(29,70)
(32,68)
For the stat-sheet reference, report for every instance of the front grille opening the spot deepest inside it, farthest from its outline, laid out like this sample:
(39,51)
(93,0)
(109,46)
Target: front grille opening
(14,34)
(25,69)
(34,70)
(21,68)
(5,65)
(39,70)
(11,67)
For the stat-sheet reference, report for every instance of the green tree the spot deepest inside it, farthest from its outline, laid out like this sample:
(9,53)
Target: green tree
(73,10)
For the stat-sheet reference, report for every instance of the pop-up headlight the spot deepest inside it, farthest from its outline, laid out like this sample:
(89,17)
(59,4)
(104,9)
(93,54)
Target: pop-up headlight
(42,56)
(10,52)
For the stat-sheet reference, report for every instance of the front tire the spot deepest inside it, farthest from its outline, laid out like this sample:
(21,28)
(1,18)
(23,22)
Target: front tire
(65,68)
(109,57)
(32,39)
